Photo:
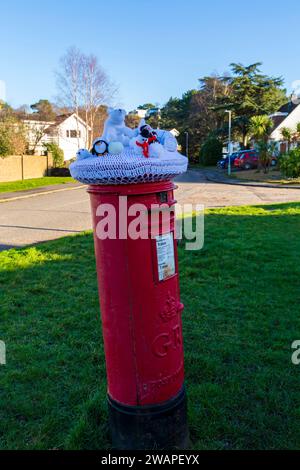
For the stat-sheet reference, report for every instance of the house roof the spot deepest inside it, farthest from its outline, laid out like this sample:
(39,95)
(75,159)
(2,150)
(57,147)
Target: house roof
(61,118)
(288,107)
(277,120)
(33,118)
(282,114)
(52,124)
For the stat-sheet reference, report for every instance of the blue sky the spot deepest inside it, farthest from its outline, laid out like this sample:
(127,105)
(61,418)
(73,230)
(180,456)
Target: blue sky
(151,49)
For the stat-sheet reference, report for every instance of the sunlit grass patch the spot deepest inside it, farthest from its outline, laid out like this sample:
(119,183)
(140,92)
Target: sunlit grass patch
(33,183)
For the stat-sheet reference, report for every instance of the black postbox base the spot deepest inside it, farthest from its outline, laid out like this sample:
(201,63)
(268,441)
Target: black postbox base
(161,427)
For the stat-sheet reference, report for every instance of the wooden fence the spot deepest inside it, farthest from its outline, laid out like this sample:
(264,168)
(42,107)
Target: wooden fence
(24,167)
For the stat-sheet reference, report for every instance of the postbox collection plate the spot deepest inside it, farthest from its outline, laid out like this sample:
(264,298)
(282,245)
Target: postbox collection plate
(165,256)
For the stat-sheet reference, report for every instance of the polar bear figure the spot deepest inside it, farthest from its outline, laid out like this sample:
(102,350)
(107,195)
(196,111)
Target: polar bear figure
(82,154)
(115,129)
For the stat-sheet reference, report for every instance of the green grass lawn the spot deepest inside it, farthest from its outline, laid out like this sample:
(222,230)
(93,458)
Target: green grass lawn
(22,185)
(273,176)
(241,295)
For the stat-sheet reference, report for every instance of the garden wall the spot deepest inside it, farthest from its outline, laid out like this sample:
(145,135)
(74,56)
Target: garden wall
(17,167)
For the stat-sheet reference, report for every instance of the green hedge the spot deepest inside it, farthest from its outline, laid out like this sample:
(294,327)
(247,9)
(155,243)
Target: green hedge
(211,152)
(289,163)
(57,154)
(6,147)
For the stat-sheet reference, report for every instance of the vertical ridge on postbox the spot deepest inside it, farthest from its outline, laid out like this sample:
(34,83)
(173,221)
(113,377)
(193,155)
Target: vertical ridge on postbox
(115,303)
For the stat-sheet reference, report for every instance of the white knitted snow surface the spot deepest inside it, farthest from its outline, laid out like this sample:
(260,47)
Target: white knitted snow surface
(128,168)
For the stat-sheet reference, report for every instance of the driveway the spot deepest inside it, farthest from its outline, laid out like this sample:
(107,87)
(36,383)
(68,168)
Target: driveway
(53,215)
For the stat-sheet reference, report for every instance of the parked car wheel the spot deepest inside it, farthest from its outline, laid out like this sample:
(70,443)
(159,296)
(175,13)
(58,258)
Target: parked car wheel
(248,166)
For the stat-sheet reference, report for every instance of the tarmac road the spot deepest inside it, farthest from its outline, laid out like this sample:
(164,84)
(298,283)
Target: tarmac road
(56,214)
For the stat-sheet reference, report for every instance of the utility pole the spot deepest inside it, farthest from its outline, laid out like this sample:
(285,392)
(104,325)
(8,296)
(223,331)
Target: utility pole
(187,144)
(229,140)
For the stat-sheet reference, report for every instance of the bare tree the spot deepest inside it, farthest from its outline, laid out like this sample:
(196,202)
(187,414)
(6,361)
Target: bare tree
(36,132)
(98,90)
(84,86)
(70,80)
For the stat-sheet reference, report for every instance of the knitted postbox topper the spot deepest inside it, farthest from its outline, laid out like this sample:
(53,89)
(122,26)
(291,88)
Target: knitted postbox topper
(123,155)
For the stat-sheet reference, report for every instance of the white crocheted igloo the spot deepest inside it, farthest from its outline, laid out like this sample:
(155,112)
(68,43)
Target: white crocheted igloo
(125,156)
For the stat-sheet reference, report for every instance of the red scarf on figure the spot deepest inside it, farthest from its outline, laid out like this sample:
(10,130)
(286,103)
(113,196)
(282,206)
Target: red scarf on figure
(145,145)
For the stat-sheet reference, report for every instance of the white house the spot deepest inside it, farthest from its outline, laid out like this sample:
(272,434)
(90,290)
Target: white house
(287,116)
(175,132)
(36,136)
(141,113)
(67,131)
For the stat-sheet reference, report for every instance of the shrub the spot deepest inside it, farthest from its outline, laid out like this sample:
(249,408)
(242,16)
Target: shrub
(211,151)
(12,137)
(289,163)
(5,144)
(60,172)
(265,151)
(57,154)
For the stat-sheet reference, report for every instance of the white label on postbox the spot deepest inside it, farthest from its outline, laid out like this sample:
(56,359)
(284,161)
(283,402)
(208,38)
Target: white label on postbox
(165,255)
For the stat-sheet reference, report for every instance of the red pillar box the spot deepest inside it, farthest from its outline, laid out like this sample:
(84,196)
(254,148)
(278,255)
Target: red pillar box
(137,267)
(141,317)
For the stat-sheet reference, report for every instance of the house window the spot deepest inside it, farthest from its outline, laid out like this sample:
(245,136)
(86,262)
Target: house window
(73,134)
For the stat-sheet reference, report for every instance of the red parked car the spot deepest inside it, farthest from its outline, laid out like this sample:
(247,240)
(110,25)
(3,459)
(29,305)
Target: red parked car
(246,159)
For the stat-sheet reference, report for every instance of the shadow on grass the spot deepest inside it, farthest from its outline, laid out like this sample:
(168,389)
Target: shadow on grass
(241,296)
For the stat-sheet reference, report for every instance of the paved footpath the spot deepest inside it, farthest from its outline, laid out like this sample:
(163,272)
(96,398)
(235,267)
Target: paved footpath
(51,215)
